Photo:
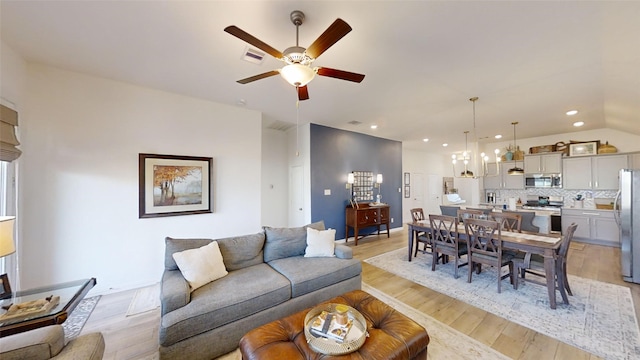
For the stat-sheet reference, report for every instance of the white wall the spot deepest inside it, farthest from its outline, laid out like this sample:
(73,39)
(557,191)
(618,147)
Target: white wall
(275,182)
(78,198)
(299,146)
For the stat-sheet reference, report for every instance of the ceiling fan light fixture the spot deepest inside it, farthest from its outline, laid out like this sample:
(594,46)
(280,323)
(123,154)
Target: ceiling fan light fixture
(297,75)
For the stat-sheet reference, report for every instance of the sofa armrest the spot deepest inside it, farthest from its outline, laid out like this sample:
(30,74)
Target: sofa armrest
(174,291)
(85,347)
(343,252)
(41,343)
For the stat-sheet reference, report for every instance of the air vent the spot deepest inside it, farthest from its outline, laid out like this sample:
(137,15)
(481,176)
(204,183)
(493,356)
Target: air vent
(354,122)
(280,126)
(252,55)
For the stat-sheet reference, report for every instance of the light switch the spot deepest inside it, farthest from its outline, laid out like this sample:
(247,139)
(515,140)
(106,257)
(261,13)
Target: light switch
(327,191)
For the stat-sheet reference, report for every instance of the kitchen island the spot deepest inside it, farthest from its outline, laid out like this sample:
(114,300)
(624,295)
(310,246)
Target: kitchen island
(541,220)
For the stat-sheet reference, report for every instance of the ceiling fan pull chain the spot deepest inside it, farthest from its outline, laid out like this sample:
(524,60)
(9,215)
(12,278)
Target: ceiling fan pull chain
(297,127)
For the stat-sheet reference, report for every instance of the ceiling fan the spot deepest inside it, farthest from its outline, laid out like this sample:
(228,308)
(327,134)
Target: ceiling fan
(298,71)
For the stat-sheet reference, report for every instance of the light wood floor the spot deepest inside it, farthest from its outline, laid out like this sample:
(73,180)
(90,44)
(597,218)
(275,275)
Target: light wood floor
(136,337)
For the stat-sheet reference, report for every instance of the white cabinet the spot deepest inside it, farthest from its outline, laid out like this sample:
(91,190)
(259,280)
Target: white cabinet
(634,161)
(543,164)
(594,226)
(503,180)
(593,172)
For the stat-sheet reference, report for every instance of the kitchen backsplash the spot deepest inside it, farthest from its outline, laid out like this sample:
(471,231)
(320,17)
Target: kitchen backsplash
(589,196)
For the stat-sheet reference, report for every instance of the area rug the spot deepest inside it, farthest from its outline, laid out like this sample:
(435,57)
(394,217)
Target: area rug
(78,317)
(144,300)
(600,318)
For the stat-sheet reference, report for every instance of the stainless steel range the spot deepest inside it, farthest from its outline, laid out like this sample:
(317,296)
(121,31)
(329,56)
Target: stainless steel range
(548,203)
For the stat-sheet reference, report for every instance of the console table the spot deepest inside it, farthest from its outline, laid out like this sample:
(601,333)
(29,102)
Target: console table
(365,215)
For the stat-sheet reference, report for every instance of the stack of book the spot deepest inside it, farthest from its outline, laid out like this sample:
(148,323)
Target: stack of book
(326,325)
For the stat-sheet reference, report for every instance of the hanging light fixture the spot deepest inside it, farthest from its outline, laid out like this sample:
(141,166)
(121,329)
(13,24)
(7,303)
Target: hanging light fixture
(466,156)
(515,170)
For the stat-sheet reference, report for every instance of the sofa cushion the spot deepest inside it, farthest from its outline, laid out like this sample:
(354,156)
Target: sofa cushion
(309,274)
(42,343)
(241,251)
(176,245)
(320,243)
(202,265)
(285,242)
(241,293)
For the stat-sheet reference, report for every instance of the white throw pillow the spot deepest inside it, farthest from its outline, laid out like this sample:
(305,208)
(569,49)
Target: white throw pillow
(320,243)
(202,265)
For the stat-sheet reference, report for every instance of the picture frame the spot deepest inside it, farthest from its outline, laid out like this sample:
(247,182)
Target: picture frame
(407,178)
(407,191)
(173,185)
(583,149)
(5,287)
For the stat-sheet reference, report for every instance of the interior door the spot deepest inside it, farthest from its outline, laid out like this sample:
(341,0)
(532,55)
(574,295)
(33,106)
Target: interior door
(417,190)
(296,196)
(434,194)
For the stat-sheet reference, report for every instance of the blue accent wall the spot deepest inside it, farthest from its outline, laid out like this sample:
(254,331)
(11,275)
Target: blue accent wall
(334,154)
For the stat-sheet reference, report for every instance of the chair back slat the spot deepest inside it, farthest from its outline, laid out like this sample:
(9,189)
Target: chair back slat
(510,221)
(566,240)
(469,213)
(444,229)
(417,214)
(484,236)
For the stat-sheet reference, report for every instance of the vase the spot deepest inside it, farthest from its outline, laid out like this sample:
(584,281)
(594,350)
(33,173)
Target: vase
(508,156)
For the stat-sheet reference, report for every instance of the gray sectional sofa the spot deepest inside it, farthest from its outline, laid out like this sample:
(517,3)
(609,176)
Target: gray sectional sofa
(269,278)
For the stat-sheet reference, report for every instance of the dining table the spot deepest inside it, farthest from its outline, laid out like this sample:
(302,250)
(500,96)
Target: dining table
(534,243)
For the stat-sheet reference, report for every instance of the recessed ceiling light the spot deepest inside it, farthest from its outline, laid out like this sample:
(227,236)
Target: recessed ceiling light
(498,136)
(445,144)
(578,123)
(374,126)
(425,139)
(572,112)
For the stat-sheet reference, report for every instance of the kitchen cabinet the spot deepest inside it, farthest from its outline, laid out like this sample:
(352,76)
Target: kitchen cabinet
(543,164)
(594,226)
(503,180)
(634,161)
(598,172)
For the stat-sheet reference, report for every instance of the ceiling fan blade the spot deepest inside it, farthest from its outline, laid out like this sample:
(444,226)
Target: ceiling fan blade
(334,32)
(259,76)
(246,37)
(340,74)
(303,93)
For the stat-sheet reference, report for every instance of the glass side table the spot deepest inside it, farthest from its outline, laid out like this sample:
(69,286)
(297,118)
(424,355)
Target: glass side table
(355,337)
(70,293)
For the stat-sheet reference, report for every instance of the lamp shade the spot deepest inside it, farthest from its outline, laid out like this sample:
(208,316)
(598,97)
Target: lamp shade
(379,178)
(297,75)
(350,178)
(6,235)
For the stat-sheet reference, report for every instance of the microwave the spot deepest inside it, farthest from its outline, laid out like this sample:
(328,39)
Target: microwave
(543,181)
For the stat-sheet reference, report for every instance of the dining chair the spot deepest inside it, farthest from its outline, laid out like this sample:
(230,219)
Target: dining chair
(534,264)
(422,237)
(446,241)
(469,213)
(449,210)
(527,220)
(484,243)
(510,222)
(488,211)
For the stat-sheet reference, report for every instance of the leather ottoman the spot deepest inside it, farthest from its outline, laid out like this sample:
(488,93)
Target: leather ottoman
(391,334)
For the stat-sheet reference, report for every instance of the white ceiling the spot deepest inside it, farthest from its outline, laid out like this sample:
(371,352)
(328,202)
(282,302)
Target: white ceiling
(526,61)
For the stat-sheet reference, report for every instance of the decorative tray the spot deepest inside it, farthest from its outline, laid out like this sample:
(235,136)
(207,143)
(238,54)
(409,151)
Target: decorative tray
(30,308)
(354,339)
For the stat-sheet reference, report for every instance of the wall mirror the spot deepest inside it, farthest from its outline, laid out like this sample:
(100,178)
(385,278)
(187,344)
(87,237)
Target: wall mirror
(363,186)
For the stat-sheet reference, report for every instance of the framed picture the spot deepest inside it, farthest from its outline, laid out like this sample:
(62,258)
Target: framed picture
(407,178)
(5,288)
(583,149)
(171,185)
(407,191)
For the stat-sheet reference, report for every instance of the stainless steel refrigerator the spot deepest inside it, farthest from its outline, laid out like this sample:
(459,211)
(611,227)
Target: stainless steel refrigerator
(627,214)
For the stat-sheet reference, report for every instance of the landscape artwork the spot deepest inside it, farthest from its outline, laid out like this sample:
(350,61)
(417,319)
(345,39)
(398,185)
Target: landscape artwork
(173,185)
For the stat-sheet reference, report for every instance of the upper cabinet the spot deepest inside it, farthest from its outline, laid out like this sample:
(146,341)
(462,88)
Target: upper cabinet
(503,180)
(593,172)
(543,164)
(634,161)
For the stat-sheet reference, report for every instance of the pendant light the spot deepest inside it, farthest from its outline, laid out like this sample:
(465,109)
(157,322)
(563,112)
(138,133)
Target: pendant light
(515,170)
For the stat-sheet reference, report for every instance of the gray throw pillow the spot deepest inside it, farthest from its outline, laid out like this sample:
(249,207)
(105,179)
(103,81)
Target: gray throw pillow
(287,242)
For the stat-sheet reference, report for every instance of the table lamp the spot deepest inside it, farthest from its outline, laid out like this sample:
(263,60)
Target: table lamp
(6,248)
